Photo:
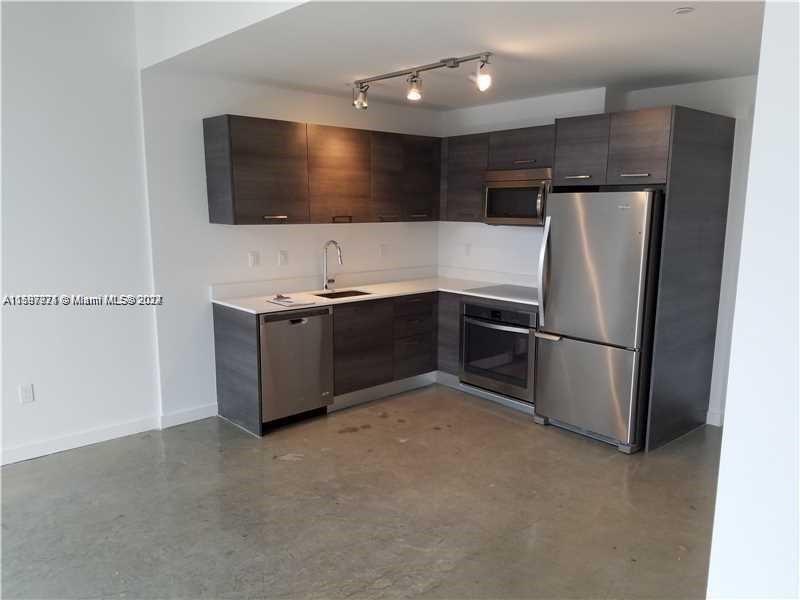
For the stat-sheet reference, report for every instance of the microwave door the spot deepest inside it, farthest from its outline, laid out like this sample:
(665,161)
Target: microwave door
(514,203)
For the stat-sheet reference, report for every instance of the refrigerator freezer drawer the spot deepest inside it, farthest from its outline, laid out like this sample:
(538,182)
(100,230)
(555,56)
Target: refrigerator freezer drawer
(588,386)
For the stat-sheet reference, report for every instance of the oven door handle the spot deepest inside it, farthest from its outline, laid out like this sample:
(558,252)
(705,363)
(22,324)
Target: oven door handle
(496,326)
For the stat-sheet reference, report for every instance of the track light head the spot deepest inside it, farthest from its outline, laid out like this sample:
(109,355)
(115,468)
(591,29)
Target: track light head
(483,76)
(414,92)
(360,96)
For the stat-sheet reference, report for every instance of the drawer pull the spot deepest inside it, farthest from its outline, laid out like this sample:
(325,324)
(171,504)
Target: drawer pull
(389,217)
(525,162)
(634,174)
(275,217)
(419,215)
(342,219)
(578,177)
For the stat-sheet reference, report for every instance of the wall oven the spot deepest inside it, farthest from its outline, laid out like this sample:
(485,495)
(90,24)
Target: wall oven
(497,350)
(516,197)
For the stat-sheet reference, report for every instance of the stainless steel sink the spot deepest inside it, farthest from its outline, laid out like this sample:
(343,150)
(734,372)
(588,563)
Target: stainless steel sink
(342,294)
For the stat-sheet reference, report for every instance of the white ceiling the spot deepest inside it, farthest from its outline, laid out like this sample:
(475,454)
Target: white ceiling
(540,47)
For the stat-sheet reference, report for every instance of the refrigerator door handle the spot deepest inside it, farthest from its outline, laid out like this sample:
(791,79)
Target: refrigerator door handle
(547,336)
(542,257)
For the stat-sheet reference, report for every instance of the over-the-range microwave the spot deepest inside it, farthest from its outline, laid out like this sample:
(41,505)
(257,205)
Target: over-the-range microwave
(516,197)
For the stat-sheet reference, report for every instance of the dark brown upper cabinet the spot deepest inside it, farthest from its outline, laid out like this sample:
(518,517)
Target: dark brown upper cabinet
(638,147)
(581,153)
(421,177)
(466,159)
(527,148)
(387,176)
(339,165)
(256,170)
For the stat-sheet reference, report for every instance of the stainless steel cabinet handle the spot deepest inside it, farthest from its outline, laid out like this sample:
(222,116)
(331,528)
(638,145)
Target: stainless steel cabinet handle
(634,174)
(270,217)
(525,162)
(547,336)
(495,326)
(578,177)
(342,219)
(388,217)
(418,215)
(542,257)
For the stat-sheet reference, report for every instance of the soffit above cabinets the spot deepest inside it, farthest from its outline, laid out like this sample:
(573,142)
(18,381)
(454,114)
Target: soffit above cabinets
(540,47)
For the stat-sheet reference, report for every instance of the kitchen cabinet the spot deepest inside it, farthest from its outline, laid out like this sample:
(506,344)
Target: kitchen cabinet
(526,148)
(339,165)
(421,177)
(581,154)
(449,332)
(363,344)
(465,161)
(256,170)
(405,177)
(414,335)
(638,147)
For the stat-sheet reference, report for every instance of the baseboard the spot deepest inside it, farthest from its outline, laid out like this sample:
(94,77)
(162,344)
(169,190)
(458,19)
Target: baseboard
(76,440)
(179,417)
(452,381)
(715,418)
(382,391)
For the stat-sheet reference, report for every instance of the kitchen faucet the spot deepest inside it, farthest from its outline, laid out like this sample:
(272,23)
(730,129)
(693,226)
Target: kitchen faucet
(325,281)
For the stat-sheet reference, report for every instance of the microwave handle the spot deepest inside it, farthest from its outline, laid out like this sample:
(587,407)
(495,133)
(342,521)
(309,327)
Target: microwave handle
(539,201)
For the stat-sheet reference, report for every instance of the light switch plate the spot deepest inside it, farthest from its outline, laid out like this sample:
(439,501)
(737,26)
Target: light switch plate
(25,393)
(253,258)
(467,249)
(383,250)
(283,258)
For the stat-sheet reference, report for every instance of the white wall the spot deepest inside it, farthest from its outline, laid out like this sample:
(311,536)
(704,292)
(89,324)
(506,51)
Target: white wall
(754,549)
(492,253)
(73,221)
(166,29)
(732,97)
(190,253)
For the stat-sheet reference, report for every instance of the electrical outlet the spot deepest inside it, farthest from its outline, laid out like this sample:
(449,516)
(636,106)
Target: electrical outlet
(283,258)
(253,258)
(383,250)
(25,393)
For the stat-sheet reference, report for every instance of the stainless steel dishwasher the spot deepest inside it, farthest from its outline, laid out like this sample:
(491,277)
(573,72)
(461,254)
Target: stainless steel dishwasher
(296,362)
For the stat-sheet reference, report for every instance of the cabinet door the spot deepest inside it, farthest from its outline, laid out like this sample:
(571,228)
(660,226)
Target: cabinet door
(528,148)
(581,150)
(256,170)
(449,332)
(339,174)
(638,147)
(467,157)
(363,345)
(387,176)
(421,179)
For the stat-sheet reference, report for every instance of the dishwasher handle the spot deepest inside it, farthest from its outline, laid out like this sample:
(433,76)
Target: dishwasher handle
(295,316)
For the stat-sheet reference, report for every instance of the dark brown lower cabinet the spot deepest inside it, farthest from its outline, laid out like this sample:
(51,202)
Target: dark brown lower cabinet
(414,335)
(363,345)
(449,332)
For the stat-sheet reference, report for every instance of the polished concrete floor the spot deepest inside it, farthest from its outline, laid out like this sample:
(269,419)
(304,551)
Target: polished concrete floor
(431,494)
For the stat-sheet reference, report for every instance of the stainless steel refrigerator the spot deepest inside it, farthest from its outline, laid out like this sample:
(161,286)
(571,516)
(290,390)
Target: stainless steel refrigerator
(593,284)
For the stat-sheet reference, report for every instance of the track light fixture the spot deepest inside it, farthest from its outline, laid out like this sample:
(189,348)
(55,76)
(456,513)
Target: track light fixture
(360,96)
(414,92)
(482,78)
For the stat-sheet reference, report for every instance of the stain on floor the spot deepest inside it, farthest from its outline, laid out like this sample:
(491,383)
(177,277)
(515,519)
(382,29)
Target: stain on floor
(498,508)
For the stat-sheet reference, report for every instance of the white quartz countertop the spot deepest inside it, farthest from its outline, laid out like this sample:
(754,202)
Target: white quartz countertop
(260,304)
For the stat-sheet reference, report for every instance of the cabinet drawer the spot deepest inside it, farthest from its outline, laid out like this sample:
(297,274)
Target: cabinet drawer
(417,304)
(411,325)
(581,150)
(638,147)
(414,355)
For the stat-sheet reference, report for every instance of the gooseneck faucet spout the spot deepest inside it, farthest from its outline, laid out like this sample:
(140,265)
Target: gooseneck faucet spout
(327,283)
